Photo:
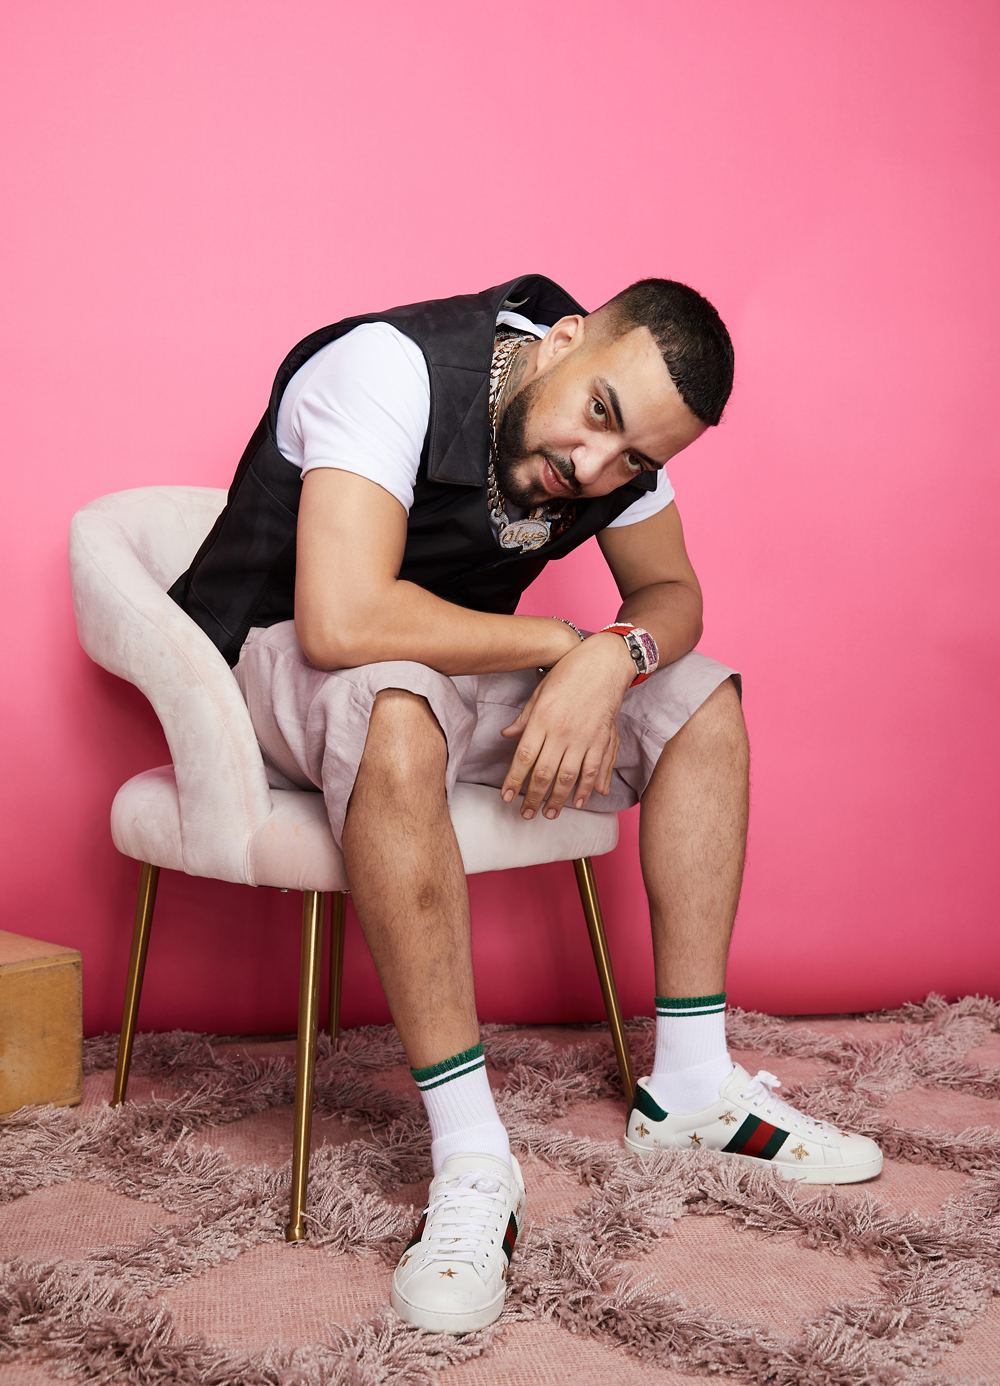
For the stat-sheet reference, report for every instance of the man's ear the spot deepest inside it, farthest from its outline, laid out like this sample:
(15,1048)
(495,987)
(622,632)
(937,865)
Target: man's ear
(563,336)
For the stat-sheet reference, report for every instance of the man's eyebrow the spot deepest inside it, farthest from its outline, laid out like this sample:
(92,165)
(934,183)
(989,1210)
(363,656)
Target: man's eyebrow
(612,395)
(616,406)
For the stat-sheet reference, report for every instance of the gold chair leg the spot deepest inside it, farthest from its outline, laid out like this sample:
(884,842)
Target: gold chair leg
(148,878)
(305,1058)
(598,941)
(338,913)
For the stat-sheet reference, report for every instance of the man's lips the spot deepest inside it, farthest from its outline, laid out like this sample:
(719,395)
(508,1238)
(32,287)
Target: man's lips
(552,481)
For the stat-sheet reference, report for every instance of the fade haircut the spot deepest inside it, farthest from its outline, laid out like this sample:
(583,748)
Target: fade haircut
(696,347)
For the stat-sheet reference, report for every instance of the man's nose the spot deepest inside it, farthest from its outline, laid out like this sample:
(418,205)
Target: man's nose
(592,459)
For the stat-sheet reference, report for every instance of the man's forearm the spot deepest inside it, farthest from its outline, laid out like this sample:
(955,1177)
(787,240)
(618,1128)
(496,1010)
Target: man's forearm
(671,612)
(404,621)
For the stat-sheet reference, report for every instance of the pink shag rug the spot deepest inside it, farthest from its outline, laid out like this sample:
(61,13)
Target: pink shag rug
(145,1245)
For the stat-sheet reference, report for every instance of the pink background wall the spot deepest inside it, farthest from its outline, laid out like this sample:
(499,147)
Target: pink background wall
(191,187)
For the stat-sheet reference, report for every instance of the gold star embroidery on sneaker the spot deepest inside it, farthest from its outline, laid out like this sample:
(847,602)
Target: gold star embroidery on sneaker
(449,1273)
(696,1139)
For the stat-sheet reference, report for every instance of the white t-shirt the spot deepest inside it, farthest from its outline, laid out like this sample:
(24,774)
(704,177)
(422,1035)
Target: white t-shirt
(362,404)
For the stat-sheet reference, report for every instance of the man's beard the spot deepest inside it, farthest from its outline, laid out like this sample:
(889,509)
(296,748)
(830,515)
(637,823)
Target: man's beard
(512,450)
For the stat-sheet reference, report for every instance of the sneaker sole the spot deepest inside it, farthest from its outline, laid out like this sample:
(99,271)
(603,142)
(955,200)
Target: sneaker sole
(817,1174)
(438,1321)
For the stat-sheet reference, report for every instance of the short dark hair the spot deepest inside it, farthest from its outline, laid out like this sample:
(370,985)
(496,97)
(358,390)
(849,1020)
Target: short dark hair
(696,347)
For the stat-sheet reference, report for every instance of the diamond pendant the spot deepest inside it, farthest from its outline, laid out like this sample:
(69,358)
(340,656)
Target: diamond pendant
(524,534)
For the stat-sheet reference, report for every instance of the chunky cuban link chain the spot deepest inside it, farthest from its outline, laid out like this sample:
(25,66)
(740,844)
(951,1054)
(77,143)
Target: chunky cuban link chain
(534,531)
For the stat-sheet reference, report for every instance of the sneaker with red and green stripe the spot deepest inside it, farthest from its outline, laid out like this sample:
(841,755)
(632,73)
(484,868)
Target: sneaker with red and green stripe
(750,1122)
(452,1278)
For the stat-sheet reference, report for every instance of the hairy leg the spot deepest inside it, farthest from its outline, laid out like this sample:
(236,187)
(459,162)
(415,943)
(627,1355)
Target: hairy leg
(692,844)
(408,882)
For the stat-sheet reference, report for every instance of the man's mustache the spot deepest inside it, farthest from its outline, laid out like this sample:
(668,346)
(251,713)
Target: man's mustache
(562,465)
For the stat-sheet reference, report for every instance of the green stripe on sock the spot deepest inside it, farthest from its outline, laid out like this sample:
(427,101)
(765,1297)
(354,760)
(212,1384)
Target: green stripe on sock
(450,1077)
(684,1005)
(467,1062)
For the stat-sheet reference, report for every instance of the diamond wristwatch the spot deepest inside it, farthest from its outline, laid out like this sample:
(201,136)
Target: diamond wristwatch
(641,646)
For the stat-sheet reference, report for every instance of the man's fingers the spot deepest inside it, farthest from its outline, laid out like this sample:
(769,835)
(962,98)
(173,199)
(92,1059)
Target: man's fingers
(590,778)
(562,784)
(524,758)
(608,763)
(558,761)
(542,777)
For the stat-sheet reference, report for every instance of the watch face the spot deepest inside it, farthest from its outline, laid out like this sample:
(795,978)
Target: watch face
(651,655)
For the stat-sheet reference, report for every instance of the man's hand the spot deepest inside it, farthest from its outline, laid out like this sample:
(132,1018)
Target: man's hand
(567,728)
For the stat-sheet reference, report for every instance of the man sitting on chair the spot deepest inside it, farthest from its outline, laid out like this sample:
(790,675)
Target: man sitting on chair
(414,472)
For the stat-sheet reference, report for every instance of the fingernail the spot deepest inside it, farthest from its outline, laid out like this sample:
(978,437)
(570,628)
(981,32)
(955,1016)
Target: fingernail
(550,813)
(579,803)
(508,795)
(528,813)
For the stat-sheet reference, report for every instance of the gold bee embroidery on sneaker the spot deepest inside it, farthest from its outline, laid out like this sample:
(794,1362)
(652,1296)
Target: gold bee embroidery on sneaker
(642,1129)
(728,1118)
(800,1152)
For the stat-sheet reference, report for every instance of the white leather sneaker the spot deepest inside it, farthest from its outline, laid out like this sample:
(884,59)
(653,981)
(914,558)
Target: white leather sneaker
(452,1278)
(749,1122)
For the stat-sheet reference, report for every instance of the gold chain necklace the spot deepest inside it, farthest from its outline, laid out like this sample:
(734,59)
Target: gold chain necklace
(532,532)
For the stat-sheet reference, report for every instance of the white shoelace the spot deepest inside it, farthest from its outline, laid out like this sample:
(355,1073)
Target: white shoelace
(760,1091)
(463,1216)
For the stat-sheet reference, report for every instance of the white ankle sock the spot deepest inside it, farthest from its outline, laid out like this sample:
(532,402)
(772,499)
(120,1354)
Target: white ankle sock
(692,1060)
(460,1108)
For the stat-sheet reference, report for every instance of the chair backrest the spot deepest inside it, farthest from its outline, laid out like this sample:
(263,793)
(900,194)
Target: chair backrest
(125,552)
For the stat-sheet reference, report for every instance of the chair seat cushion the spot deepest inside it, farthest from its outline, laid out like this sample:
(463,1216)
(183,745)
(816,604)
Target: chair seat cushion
(294,849)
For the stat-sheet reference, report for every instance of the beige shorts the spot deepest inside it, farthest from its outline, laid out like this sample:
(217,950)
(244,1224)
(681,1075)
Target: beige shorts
(312,725)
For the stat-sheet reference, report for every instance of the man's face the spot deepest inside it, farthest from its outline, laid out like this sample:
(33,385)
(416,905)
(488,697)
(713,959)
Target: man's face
(600,413)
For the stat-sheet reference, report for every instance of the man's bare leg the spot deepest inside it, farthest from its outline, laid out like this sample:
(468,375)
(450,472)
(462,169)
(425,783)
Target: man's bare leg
(692,845)
(693,830)
(410,893)
(408,881)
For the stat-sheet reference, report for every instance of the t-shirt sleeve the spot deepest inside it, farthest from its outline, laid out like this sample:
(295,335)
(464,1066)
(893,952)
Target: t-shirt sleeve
(360,404)
(649,504)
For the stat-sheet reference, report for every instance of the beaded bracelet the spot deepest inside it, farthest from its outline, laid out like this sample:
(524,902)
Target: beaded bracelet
(543,669)
(641,646)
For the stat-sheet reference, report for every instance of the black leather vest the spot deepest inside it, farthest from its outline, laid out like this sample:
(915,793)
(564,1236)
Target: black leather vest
(244,573)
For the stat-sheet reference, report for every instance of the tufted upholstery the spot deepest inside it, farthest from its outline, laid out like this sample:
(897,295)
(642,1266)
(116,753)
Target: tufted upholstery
(212,813)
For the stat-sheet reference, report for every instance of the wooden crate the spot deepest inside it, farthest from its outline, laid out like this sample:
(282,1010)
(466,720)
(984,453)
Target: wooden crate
(41,1023)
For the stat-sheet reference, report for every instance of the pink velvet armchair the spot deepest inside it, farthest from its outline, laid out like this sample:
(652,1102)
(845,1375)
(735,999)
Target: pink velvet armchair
(211,811)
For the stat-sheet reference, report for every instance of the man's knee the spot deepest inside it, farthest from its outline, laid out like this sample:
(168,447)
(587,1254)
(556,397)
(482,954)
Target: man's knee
(717,726)
(404,736)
